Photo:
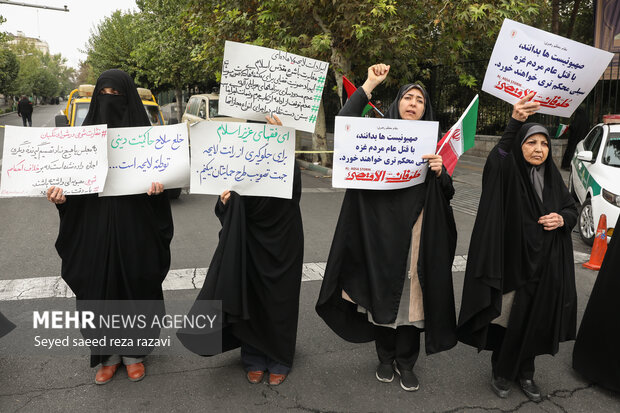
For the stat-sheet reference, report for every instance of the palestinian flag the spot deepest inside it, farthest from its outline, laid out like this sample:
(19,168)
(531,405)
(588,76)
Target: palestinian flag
(460,137)
(350,88)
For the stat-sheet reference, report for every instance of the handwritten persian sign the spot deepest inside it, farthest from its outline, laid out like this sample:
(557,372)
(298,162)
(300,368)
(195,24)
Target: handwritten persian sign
(561,71)
(139,156)
(381,153)
(36,158)
(249,158)
(257,81)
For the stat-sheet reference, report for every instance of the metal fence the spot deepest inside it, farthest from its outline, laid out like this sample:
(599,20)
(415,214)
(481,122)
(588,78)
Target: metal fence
(450,99)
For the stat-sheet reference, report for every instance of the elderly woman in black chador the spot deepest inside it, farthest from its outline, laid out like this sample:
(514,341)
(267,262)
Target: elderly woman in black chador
(256,274)
(595,354)
(368,293)
(519,297)
(115,248)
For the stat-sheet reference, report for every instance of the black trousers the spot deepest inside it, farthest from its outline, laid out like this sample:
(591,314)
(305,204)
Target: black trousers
(401,344)
(525,368)
(27,118)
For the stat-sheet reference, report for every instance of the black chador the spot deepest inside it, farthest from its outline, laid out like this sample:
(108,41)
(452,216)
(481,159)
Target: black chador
(370,251)
(256,273)
(511,255)
(5,325)
(115,248)
(595,354)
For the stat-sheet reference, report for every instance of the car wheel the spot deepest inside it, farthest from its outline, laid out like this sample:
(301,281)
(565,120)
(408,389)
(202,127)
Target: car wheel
(587,230)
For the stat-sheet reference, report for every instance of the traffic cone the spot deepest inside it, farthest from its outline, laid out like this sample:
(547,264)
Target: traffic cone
(599,248)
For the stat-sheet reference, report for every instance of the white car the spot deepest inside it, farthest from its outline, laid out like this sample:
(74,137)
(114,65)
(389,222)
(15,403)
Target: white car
(595,179)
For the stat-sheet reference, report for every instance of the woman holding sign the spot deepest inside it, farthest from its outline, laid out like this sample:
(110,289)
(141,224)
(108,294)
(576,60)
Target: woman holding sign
(519,297)
(115,248)
(256,274)
(388,275)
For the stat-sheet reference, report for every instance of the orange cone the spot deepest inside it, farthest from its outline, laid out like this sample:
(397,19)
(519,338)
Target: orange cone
(599,248)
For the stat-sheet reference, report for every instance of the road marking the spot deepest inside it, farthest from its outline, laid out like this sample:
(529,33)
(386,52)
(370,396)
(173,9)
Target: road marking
(184,279)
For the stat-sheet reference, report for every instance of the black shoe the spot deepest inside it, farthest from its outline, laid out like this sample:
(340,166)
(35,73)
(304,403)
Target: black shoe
(408,380)
(530,389)
(384,373)
(500,386)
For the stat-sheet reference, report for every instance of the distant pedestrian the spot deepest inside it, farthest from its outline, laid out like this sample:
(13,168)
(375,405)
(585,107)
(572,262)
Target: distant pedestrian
(24,110)
(389,271)
(519,295)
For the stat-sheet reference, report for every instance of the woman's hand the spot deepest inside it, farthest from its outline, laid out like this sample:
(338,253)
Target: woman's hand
(55,195)
(551,221)
(376,74)
(435,162)
(273,119)
(524,108)
(225,197)
(155,189)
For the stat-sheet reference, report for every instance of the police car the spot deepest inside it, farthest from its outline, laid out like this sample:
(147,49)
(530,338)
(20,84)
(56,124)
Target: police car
(595,177)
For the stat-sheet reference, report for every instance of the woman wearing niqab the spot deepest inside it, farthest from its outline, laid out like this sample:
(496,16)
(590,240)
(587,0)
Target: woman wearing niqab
(367,293)
(519,297)
(595,354)
(117,247)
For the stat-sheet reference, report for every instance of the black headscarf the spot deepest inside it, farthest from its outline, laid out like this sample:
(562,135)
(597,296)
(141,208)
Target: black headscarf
(393,112)
(370,251)
(510,251)
(115,247)
(117,111)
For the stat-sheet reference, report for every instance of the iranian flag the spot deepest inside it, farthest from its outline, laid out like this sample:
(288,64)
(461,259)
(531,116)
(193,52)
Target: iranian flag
(460,137)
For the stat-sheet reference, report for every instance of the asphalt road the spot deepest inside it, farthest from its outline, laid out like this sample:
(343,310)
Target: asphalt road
(329,375)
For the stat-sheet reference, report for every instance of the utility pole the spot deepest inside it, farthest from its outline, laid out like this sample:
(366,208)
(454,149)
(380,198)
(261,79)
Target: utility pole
(37,6)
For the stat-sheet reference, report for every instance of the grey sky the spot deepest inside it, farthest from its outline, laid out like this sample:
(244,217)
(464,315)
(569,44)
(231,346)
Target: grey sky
(65,33)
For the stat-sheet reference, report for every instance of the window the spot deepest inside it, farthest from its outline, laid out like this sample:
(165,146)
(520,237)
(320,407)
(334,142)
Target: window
(202,111)
(153,114)
(594,136)
(81,109)
(611,153)
(214,108)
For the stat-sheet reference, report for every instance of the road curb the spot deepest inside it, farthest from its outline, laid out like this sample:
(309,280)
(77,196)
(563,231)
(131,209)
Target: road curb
(8,113)
(317,168)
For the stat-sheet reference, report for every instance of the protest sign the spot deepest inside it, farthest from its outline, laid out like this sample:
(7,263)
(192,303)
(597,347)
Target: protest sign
(35,159)
(249,158)
(142,155)
(561,71)
(257,81)
(374,153)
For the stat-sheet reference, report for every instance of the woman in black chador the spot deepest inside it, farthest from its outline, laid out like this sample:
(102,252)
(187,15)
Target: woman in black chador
(115,248)
(519,297)
(367,293)
(595,354)
(256,274)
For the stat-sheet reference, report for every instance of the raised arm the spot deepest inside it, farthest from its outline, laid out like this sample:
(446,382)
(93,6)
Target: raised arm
(520,112)
(358,100)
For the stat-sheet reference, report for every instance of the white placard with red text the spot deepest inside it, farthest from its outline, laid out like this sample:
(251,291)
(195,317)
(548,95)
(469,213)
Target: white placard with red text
(372,153)
(35,159)
(561,71)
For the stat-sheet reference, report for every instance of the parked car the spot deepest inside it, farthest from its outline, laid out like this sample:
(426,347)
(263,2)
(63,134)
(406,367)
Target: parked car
(205,107)
(79,102)
(595,177)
